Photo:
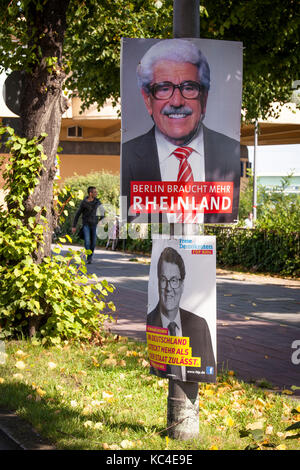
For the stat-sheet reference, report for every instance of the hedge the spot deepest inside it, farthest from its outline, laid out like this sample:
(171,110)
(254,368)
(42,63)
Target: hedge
(257,250)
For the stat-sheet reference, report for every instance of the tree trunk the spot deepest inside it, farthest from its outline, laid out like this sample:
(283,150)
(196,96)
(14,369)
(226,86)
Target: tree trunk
(43,104)
(42,107)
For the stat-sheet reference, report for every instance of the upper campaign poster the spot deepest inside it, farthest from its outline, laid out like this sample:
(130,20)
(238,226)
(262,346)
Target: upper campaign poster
(181,318)
(181,111)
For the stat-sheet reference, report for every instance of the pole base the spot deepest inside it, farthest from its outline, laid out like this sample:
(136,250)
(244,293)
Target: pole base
(183,410)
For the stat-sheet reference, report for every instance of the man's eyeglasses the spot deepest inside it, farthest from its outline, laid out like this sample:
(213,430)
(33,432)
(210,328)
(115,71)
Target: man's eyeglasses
(163,91)
(174,282)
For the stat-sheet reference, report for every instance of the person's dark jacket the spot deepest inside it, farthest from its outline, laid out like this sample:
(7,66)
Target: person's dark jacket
(88,209)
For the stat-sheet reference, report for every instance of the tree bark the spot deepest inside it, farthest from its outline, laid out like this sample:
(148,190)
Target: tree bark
(42,107)
(43,104)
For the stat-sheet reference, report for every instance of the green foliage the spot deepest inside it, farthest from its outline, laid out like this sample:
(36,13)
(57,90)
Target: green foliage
(258,249)
(67,302)
(92,43)
(278,210)
(270,32)
(246,199)
(94,37)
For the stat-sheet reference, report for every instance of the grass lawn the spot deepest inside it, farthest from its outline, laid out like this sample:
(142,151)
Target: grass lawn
(101,396)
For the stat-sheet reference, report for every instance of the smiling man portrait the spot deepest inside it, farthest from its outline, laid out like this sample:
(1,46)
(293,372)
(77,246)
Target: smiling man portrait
(174,80)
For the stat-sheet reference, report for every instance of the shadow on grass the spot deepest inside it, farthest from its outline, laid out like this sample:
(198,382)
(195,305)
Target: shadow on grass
(63,426)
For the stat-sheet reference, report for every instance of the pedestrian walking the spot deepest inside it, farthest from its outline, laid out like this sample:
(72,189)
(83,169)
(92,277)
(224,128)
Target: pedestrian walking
(92,212)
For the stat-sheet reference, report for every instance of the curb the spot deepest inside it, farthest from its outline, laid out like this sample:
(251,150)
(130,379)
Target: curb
(20,433)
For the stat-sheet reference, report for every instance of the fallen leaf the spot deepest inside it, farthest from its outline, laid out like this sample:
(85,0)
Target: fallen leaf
(287,392)
(97,403)
(107,395)
(20,353)
(256,425)
(98,426)
(238,337)
(109,362)
(260,402)
(228,421)
(20,365)
(88,424)
(95,361)
(18,376)
(87,410)
(125,444)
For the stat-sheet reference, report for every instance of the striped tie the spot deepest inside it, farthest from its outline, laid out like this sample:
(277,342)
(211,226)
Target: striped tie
(185,174)
(172,370)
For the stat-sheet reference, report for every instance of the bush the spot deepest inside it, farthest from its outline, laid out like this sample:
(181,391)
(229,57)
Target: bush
(258,250)
(56,295)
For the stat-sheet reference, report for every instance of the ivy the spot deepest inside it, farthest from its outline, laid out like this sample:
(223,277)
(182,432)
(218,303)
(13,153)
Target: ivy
(57,291)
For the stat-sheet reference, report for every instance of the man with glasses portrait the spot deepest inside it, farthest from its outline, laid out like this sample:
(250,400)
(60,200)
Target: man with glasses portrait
(174,80)
(168,314)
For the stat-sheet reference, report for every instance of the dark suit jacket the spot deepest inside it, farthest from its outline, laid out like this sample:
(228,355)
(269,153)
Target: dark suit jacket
(197,330)
(222,163)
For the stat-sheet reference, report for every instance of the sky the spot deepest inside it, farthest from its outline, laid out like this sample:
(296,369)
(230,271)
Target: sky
(276,159)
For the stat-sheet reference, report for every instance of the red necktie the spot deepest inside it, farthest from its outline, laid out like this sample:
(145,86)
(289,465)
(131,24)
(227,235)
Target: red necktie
(185,174)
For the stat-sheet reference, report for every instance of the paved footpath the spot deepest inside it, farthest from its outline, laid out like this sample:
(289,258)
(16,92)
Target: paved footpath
(258,317)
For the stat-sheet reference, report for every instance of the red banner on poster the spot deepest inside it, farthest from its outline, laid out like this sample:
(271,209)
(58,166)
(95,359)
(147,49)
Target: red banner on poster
(215,197)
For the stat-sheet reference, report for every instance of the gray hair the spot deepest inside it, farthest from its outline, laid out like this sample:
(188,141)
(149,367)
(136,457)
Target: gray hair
(177,50)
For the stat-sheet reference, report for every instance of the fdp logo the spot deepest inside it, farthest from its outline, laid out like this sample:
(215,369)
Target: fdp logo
(296,354)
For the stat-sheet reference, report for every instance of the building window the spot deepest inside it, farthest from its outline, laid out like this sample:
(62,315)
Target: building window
(75,131)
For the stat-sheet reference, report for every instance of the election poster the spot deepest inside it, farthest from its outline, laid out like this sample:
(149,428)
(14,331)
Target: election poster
(180,147)
(181,316)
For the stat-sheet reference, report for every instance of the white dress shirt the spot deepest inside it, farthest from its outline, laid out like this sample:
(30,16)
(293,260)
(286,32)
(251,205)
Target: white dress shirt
(165,323)
(169,164)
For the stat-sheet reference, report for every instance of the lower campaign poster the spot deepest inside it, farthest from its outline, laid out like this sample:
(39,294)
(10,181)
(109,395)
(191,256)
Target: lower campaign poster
(181,319)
